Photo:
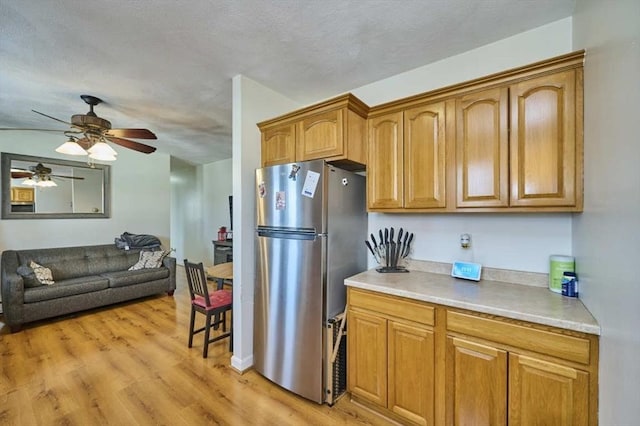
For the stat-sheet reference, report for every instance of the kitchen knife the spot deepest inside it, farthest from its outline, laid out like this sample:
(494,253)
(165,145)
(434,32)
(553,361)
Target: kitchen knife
(408,247)
(386,246)
(375,244)
(393,247)
(371,250)
(404,244)
(398,248)
(381,239)
(393,254)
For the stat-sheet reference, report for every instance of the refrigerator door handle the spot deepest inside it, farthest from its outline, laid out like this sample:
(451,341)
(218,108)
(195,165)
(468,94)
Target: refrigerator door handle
(286,234)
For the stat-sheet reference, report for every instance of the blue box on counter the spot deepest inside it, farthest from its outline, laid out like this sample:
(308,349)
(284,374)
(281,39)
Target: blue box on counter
(466,270)
(569,284)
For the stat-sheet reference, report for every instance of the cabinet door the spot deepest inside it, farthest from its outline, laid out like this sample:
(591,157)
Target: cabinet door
(482,149)
(545,393)
(476,383)
(385,166)
(321,136)
(23,195)
(279,145)
(367,357)
(411,372)
(424,156)
(543,141)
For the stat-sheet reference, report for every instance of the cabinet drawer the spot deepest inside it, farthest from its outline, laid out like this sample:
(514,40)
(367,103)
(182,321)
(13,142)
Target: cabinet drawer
(546,342)
(392,305)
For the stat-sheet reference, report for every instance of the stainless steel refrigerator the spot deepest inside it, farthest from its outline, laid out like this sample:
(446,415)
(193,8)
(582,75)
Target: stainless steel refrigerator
(311,228)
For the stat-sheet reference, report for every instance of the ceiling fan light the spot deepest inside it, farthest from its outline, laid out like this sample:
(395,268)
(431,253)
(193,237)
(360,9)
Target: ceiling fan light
(29,182)
(71,147)
(102,149)
(46,183)
(102,157)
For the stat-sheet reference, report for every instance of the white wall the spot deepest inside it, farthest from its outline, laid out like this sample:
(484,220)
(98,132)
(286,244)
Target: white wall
(200,205)
(140,199)
(217,181)
(185,210)
(252,103)
(605,236)
(510,241)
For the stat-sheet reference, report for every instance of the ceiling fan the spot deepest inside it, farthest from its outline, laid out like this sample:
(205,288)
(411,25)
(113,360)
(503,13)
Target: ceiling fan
(38,175)
(88,130)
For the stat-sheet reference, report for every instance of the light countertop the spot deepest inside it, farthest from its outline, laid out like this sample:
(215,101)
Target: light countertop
(516,301)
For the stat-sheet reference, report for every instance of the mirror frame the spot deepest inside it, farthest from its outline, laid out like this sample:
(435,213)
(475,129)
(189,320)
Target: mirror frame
(6,188)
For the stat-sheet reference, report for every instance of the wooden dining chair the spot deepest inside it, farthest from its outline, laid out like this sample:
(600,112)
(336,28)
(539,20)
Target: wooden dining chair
(213,304)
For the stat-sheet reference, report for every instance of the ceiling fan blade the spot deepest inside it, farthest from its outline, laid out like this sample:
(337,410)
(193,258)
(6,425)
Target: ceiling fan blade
(136,146)
(53,118)
(68,177)
(132,133)
(35,130)
(20,175)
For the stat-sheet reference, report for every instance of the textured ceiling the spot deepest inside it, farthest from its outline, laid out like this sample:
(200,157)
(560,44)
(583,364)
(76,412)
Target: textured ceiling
(167,64)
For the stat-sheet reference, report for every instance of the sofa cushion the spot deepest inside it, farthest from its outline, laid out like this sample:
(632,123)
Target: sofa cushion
(28,277)
(65,288)
(74,262)
(42,273)
(125,278)
(149,259)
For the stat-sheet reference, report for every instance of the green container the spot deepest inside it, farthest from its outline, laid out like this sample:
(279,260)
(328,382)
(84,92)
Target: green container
(558,265)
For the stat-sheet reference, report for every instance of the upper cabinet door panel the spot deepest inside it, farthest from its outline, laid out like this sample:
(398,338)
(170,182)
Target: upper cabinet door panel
(385,165)
(543,141)
(482,149)
(424,156)
(279,145)
(321,136)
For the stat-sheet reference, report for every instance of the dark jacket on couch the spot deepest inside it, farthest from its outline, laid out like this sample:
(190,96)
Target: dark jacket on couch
(85,277)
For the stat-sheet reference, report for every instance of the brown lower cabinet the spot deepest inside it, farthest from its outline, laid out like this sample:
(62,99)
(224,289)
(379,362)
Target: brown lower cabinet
(420,363)
(391,359)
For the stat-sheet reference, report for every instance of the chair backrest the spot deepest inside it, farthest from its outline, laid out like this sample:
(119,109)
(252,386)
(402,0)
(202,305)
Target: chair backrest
(197,281)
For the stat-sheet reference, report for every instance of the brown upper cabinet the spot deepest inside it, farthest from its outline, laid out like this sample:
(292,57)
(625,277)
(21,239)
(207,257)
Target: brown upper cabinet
(482,149)
(22,195)
(407,158)
(334,130)
(508,142)
(543,143)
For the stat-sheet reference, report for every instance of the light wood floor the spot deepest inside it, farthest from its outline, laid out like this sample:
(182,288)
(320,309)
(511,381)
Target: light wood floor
(129,365)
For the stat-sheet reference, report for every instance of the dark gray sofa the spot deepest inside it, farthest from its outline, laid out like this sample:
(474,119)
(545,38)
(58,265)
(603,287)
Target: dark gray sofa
(85,277)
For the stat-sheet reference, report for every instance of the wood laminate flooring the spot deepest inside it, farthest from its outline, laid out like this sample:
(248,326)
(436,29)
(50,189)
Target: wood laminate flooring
(129,364)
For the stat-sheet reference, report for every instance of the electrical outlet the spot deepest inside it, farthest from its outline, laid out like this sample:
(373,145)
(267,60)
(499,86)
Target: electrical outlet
(465,240)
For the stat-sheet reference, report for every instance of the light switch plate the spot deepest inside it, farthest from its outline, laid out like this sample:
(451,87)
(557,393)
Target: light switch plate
(466,270)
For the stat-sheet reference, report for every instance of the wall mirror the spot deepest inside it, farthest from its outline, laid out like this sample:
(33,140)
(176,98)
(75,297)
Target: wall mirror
(50,188)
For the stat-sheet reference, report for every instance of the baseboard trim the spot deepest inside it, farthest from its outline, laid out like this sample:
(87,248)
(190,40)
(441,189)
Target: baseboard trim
(240,364)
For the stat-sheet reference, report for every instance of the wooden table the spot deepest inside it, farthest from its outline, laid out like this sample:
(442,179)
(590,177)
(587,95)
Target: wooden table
(221,272)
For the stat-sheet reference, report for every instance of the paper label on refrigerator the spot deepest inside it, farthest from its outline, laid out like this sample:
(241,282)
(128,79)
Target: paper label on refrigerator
(310,184)
(262,191)
(281,201)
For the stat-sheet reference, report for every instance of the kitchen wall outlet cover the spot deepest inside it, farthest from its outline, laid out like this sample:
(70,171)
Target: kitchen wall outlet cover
(466,270)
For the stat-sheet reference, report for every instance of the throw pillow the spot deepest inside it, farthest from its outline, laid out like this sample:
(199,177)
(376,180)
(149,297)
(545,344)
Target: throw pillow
(28,277)
(43,274)
(149,259)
